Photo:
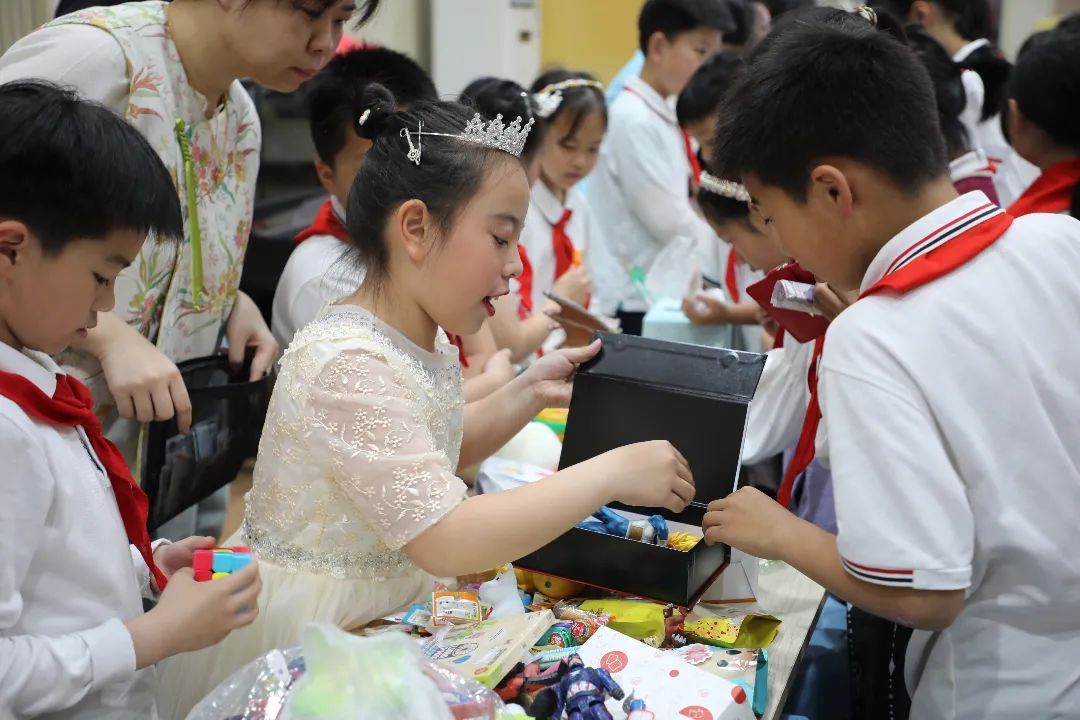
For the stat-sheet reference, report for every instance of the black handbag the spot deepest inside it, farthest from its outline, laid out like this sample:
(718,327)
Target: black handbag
(228,412)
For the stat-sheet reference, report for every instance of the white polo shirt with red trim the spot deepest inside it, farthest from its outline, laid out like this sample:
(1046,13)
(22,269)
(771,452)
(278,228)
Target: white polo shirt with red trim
(953,415)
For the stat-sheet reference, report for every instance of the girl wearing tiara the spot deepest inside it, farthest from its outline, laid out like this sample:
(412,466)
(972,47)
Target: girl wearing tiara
(355,503)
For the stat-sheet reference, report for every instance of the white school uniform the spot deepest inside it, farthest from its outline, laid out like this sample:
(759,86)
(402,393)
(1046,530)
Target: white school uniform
(953,414)
(319,271)
(545,211)
(68,576)
(639,194)
(779,405)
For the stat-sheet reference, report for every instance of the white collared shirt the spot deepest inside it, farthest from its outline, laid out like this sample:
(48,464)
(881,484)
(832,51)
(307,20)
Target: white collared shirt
(545,211)
(953,416)
(319,271)
(779,405)
(68,576)
(639,194)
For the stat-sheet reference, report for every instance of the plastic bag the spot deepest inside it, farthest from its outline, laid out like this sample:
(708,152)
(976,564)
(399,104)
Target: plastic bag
(338,676)
(257,691)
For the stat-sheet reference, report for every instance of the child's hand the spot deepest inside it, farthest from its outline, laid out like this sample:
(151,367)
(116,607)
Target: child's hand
(171,557)
(144,383)
(193,615)
(551,378)
(767,323)
(649,474)
(751,521)
(574,285)
(499,368)
(246,328)
(706,308)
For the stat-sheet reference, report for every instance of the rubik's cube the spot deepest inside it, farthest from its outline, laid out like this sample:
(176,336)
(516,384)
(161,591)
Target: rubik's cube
(220,562)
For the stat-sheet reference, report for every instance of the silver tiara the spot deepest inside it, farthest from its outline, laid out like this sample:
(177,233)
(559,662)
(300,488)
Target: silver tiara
(724,188)
(550,98)
(495,134)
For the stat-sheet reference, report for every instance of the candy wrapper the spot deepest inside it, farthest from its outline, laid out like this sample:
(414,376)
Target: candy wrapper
(455,608)
(748,669)
(792,295)
(732,627)
(644,621)
(337,676)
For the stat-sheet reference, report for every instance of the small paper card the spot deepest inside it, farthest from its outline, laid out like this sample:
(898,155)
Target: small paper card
(670,687)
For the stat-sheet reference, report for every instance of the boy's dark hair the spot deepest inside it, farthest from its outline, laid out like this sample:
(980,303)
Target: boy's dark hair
(701,96)
(675,17)
(334,92)
(578,102)
(1070,23)
(1046,86)
(948,88)
(742,23)
(491,96)
(449,173)
(71,169)
(816,89)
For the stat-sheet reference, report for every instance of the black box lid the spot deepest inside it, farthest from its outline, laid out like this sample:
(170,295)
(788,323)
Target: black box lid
(640,389)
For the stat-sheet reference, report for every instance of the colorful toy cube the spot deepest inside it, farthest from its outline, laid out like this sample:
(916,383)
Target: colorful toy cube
(220,562)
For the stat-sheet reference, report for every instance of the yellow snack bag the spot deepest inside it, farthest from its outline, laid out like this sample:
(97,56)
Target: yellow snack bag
(639,619)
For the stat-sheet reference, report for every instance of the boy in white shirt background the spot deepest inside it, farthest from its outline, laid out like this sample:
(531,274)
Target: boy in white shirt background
(640,190)
(949,390)
(315,273)
(79,191)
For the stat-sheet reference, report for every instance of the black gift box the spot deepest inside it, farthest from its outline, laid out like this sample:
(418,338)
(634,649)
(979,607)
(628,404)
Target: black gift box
(227,413)
(640,389)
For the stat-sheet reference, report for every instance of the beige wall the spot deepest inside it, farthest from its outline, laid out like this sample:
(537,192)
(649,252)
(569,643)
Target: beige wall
(19,17)
(402,25)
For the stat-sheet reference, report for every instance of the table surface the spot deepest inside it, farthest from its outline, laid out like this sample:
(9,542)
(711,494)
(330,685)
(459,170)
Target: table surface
(797,601)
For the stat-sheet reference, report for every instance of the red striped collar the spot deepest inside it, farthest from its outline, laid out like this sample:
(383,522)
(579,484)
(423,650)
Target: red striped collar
(929,232)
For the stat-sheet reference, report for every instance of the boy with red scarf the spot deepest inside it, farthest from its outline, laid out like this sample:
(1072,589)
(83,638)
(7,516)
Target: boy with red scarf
(79,191)
(928,385)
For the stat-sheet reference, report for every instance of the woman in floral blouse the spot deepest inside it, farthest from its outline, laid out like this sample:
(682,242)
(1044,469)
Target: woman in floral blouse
(173,69)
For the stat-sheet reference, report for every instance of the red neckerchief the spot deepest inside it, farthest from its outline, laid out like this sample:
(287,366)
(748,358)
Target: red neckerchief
(326,223)
(731,276)
(525,284)
(1051,192)
(562,245)
(932,257)
(71,406)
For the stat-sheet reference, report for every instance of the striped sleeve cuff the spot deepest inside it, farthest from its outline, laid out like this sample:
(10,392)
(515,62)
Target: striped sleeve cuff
(940,579)
(112,653)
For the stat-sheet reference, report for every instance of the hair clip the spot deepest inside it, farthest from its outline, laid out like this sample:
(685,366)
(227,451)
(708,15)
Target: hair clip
(550,98)
(867,13)
(364,117)
(414,152)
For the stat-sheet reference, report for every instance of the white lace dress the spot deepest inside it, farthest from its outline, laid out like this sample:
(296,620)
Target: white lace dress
(357,458)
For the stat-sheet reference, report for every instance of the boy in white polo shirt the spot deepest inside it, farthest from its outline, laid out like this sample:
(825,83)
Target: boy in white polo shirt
(640,190)
(80,189)
(950,389)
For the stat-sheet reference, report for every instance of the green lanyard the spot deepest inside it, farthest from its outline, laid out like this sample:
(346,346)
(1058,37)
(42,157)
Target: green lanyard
(193,215)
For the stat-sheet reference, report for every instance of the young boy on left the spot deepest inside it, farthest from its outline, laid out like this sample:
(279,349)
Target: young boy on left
(80,189)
